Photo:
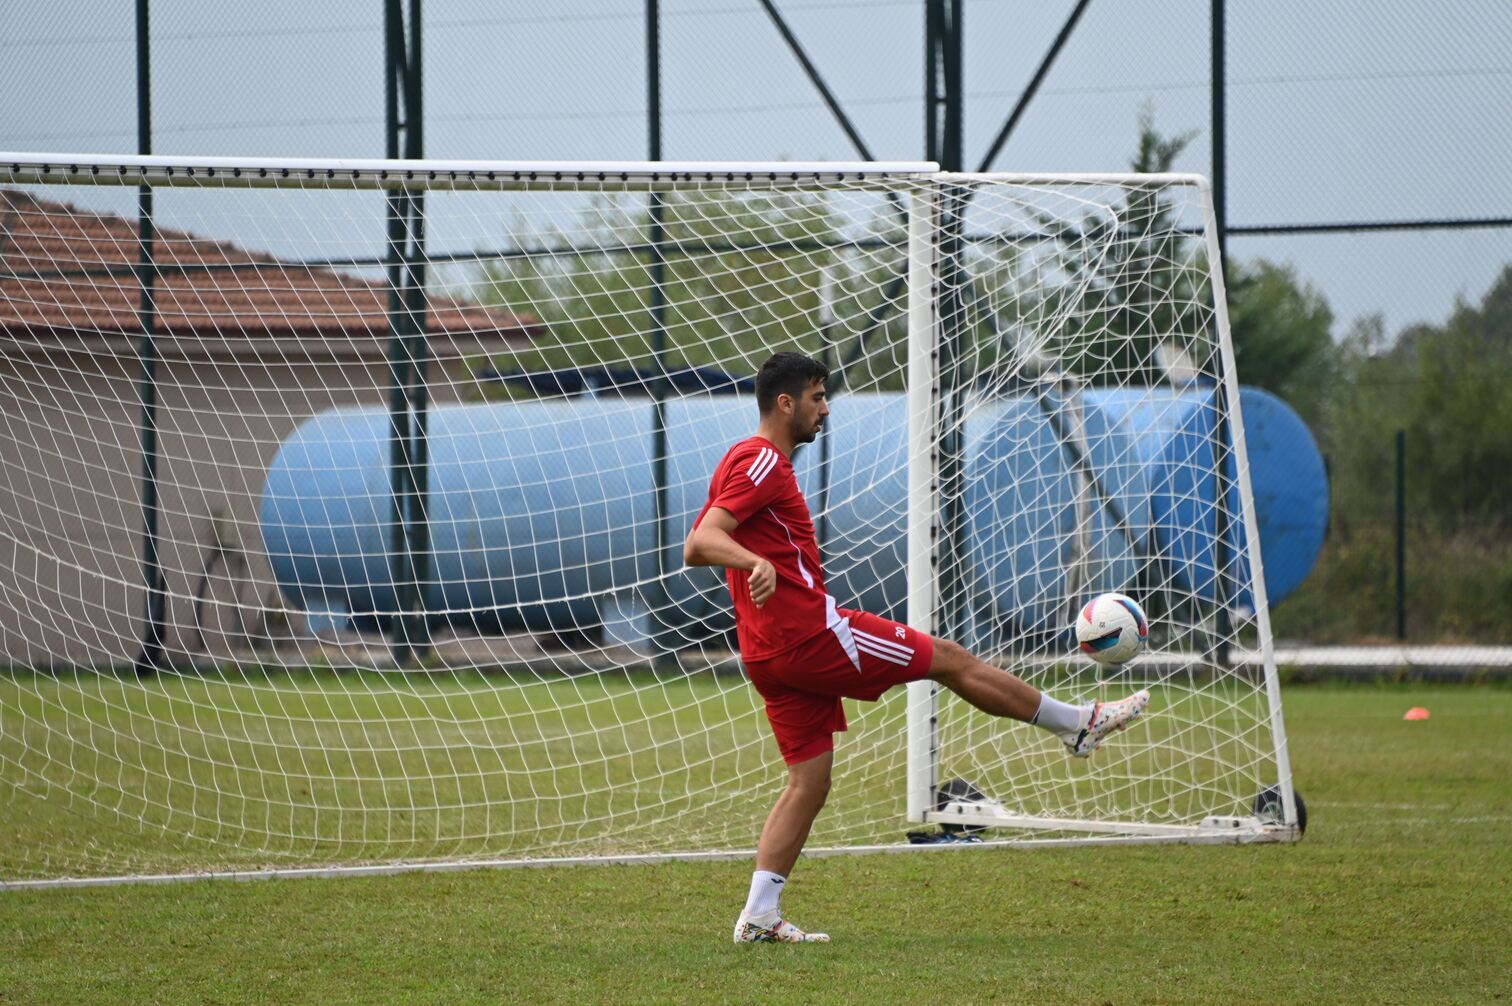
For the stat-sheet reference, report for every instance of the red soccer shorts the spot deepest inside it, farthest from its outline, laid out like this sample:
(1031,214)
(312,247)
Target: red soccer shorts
(860,657)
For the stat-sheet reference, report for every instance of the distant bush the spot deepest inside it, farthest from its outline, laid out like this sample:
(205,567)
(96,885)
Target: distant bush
(1459,588)
(1449,388)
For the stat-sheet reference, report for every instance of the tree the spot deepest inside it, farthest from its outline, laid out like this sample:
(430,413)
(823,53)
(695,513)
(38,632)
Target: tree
(1459,410)
(743,276)
(1282,332)
(1449,388)
(1130,277)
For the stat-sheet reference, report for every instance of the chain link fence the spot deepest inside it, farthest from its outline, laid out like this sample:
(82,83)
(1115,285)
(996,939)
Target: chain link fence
(1364,182)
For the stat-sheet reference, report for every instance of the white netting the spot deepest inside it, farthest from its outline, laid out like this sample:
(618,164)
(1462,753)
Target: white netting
(466,632)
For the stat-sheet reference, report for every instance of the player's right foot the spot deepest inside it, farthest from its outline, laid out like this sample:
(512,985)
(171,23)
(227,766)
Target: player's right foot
(1106,718)
(773,928)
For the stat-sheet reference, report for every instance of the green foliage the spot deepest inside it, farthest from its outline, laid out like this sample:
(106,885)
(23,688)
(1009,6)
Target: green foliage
(1459,587)
(1133,278)
(743,276)
(1449,388)
(1282,332)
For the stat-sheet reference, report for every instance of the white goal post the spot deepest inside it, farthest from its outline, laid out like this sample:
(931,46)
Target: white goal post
(343,500)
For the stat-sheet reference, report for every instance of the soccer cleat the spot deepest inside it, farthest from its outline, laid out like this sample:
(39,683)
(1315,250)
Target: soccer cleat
(773,929)
(1106,718)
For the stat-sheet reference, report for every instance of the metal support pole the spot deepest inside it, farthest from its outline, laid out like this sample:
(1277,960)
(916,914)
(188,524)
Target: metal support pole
(952,158)
(401,567)
(657,598)
(830,101)
(813,75)
(154,628)
(1034,86)
(954,333)
(1220,129)
(409,352)
(1222,435)
(419,352)
(398,542)
(933,29)
(1401,534)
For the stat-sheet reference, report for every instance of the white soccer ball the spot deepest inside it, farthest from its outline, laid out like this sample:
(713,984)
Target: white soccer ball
(1112,628)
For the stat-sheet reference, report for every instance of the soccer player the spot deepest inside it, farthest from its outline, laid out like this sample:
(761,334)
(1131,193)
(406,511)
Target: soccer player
(803,654)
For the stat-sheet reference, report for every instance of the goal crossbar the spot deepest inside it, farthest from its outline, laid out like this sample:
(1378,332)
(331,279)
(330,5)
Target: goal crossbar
(482,176)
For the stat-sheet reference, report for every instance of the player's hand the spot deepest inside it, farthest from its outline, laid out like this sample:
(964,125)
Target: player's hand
(763,582)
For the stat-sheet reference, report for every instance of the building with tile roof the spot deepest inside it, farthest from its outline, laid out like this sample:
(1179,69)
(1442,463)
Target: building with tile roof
(251,346)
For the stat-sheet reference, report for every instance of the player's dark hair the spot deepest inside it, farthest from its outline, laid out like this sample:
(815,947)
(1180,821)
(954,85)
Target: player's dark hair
(786,374)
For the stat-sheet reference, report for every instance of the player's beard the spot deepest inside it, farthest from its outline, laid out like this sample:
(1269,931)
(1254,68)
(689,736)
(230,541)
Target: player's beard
(808,436)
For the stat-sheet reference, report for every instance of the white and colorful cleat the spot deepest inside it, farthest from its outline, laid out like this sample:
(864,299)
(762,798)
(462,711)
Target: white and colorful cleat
(1106,718)
(773,928)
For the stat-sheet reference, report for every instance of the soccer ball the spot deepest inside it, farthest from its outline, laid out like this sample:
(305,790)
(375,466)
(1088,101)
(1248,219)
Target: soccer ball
(1112,629)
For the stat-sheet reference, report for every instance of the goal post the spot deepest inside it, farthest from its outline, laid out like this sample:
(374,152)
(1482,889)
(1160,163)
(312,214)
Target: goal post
(1034,401)
(1143,212)
(1252,557)
(923,484)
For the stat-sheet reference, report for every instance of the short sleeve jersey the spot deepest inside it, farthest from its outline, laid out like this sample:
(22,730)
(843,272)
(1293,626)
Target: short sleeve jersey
(755,482)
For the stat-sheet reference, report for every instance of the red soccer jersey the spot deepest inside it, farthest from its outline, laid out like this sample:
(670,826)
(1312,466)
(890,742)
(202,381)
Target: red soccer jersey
(756,484)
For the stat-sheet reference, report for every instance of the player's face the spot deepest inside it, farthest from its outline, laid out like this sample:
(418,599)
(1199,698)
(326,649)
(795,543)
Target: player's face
(809,412)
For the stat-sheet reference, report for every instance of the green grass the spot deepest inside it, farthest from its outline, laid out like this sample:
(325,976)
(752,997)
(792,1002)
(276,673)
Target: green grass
(1397,894)
(241,771)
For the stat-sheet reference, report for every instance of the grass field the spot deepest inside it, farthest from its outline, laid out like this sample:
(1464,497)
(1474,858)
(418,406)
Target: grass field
(1399,893)
(102,774)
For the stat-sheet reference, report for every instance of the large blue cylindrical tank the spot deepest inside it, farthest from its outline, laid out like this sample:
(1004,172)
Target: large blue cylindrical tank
(537,531)
(1171,438)
(528,529)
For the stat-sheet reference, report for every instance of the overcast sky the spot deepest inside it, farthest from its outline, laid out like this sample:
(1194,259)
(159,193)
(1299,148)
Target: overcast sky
(1340,111)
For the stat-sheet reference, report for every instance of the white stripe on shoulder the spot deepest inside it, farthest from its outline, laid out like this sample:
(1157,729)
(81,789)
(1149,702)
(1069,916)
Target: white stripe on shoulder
(763,458)
(765,469)
(757,461)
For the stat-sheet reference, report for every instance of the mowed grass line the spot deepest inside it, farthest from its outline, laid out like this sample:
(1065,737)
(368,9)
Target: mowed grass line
(1398,894)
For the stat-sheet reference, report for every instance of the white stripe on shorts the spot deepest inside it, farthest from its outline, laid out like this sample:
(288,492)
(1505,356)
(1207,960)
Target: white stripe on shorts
(891,658)
(884,649)
(885,644)
(842,630)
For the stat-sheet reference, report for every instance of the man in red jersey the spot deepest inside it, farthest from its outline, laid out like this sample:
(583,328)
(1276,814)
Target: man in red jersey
(804,654)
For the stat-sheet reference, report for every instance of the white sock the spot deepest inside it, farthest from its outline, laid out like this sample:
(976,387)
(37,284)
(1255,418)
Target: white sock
(1059,717)
(766,888)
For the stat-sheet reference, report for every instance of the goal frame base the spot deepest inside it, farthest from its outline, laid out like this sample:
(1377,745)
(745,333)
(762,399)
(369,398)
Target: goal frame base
(1213,829)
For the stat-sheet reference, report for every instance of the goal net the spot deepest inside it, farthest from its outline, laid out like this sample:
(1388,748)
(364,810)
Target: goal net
(343,506)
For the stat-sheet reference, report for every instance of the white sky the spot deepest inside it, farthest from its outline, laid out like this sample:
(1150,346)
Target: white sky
(1349,110)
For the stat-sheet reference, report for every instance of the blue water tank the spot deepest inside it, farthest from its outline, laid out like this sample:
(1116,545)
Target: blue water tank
(546,531)
(1170,440)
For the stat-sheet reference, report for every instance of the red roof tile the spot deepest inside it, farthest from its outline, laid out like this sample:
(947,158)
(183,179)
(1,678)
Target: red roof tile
(67,273)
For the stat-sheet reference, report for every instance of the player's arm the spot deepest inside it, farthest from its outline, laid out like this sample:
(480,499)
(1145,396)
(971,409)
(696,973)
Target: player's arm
(710,543)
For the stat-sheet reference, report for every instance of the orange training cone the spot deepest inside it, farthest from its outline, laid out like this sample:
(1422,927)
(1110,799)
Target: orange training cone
(1416,713)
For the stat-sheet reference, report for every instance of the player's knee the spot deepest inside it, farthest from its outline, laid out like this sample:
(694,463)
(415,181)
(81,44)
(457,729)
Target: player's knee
(950,659)
(812,787)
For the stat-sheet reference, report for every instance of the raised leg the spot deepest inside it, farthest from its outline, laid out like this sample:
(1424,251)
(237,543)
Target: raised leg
(991,689)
